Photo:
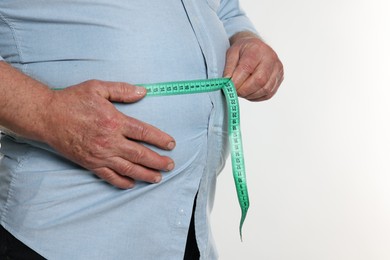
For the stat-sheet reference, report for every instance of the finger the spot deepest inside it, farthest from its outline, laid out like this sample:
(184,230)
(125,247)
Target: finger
(120,91)
(232,57)
(270,88)
(134,171)
(247,65)
(140,131)
(114,179)
(257,81)
(139,154)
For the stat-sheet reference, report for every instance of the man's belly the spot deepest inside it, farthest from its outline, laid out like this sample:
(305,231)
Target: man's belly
(127,42)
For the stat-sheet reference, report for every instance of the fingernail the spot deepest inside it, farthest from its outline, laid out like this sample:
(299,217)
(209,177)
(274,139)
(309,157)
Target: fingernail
(140,91)
(130,186)
(157,179)
(170,166)
(171,145)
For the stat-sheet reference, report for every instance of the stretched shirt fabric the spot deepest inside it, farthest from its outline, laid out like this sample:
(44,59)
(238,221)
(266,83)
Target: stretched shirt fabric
(63,211)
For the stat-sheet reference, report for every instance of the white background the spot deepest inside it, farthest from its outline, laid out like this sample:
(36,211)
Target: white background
(318,153)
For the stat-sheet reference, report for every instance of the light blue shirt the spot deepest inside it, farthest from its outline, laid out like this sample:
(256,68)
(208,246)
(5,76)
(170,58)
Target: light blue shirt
(63,211)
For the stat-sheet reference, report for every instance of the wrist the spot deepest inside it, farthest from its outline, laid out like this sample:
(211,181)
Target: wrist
(243,35)
(23,103)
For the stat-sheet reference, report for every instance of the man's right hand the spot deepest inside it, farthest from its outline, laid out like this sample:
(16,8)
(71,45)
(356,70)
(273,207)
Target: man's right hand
(83,125)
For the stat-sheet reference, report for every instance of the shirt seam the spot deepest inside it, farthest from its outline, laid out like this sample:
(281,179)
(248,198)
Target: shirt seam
(14,36)
(207,42)
(11,192)
(198,38)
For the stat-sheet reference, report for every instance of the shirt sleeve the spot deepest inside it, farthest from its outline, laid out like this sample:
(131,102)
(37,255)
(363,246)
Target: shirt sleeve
(234,18)
(1,58)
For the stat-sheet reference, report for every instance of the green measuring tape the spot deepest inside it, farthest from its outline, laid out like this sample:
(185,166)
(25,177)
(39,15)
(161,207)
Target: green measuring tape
(236,150)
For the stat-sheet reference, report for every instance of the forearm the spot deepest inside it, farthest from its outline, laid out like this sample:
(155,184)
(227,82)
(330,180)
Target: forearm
(23,103)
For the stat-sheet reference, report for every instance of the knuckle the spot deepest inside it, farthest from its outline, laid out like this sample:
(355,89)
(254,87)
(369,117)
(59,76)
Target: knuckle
(108,176)
(89,161)
(94,86)
(127,169)
(92,83)
(97,151)
(253,47)
(138,155)
(110,123)
(280,80)
(267,91)
(281,70)
(142,131)
(122,91)
(268,96)
(95,156)
(105,174)
(233,50)
(145,132)
(280,65)
(260,80)
(229,52)
(272,54)
(246,68)
(100,146)
(82,154)
(256,46)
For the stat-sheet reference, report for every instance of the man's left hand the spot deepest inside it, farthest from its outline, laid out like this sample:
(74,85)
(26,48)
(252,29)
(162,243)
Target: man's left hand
(253,66)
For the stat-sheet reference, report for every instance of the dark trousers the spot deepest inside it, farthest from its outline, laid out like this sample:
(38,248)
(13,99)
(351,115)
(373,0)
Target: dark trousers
(192,251)
(12,249)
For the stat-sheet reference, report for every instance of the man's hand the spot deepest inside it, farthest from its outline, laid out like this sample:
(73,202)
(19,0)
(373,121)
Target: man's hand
(84,126)
(253,66)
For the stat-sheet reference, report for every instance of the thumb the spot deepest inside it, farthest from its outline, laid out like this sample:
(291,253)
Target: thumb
(123,92)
